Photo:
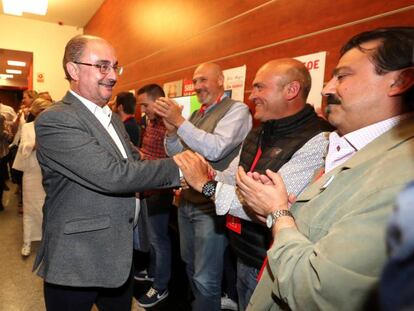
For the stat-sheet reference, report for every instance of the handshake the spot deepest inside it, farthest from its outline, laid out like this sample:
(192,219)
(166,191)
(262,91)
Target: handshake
(261,194)
(196,170)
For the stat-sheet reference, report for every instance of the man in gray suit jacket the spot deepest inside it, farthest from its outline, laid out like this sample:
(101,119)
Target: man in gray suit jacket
(90,174)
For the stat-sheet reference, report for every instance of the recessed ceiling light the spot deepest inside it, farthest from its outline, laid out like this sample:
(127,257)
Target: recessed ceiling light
(16,63)
(5,76)
(14,71)
(18,7)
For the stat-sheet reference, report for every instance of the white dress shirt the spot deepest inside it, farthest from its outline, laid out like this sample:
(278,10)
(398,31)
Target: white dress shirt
(342,148)
(104,114)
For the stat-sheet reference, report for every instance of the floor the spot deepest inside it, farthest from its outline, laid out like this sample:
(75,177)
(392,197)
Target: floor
(21,289)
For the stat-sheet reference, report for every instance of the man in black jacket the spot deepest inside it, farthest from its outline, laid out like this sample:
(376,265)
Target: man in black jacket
(290,140)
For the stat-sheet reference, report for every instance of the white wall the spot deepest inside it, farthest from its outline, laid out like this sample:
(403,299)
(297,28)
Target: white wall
(47,42)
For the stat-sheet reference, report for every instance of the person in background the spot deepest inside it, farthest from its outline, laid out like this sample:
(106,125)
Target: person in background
(397,280)
(5,137)
(329,247)
(32,188)
(8,113)
(215,131)
(125,105)
(23,116)
(46,95)
(9,117)
(159,202)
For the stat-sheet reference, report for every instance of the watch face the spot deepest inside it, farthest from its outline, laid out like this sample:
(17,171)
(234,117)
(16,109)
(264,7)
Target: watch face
(269,221)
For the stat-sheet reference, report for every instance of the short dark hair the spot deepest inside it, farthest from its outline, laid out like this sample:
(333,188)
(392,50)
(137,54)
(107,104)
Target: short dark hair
(154,91)
(128,102)
(73,51)
(395,51)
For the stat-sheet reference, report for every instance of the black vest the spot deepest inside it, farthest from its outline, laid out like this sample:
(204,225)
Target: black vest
(279,140)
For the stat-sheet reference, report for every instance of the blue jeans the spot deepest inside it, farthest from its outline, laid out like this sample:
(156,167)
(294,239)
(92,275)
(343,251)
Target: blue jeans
(246,283)
(203,242)
(159,207)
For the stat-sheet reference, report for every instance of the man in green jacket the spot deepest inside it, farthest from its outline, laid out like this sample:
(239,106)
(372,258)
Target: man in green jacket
(329,247)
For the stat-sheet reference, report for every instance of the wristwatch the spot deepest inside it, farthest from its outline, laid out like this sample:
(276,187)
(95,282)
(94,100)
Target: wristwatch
(209,189)
(273,216)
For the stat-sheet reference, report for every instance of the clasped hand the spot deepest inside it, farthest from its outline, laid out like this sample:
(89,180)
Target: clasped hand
(196,170)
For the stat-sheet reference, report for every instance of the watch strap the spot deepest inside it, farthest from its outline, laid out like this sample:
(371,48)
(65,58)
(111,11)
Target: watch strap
(278,213)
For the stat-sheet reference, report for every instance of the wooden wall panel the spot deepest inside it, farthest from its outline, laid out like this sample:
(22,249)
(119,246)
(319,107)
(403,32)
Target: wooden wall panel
(161,41)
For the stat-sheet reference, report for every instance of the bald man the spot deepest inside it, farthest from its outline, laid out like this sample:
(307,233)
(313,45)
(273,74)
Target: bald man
(290,140)
(215,131)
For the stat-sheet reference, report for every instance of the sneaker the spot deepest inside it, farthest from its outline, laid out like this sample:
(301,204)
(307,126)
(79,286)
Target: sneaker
(152,297)
(228,304)
(143,276)
(26,249)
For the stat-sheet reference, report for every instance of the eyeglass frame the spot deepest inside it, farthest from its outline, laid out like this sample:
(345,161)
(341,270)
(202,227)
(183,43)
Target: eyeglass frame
(118,69)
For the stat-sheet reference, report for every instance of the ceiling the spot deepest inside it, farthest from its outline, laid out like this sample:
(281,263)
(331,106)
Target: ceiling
(67,12)
(64,12)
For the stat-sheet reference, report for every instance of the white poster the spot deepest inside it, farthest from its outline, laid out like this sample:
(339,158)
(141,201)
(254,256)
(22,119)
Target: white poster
(173,88)
(234,80)
(316,66)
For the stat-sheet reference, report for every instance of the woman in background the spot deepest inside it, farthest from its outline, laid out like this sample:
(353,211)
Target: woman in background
(33,193)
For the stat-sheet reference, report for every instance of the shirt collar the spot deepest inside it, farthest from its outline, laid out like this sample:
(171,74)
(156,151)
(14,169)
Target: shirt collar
(103,114)
(218,100)
(360,138)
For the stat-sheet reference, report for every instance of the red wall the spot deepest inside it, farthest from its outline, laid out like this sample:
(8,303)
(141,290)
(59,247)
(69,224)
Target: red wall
(158,41)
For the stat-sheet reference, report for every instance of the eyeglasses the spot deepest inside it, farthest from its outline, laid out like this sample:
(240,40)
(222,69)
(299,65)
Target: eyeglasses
(104,68)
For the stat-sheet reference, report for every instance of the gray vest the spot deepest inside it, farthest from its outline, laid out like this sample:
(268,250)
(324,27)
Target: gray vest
(208,123)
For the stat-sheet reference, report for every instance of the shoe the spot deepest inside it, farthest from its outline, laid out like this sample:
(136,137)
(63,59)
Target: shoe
(143,276)
(152,297)
(228,304)
(26,249)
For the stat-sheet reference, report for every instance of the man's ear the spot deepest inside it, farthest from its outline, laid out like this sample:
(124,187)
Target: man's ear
(220,80)
(403,82)
(73,70)
(292,90)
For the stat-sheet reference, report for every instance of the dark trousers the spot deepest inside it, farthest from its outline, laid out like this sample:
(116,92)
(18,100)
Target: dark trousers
(66,298)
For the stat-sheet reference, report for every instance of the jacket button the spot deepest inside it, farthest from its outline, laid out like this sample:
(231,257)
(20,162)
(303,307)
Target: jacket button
(131,220)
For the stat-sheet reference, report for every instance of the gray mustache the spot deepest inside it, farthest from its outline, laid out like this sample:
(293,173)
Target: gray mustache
(110,82)
(333,100)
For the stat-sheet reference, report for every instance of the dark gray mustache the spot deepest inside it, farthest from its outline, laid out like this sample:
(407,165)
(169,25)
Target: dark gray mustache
(333,100)
(110,82)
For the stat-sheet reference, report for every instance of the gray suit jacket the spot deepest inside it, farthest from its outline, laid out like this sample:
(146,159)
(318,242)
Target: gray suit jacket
(90,196)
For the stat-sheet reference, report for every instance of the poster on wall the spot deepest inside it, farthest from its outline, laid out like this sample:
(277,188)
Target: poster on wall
(234,80)
(188,87)
(316,65)
(173,88)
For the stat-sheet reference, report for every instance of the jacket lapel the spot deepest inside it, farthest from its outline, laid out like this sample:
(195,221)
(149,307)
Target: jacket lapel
(400,133)
(99,132)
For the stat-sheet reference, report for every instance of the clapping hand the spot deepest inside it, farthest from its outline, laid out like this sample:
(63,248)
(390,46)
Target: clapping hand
(262,194)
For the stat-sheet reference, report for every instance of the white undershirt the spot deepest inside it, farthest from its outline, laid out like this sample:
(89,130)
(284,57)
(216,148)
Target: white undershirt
(103,114)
